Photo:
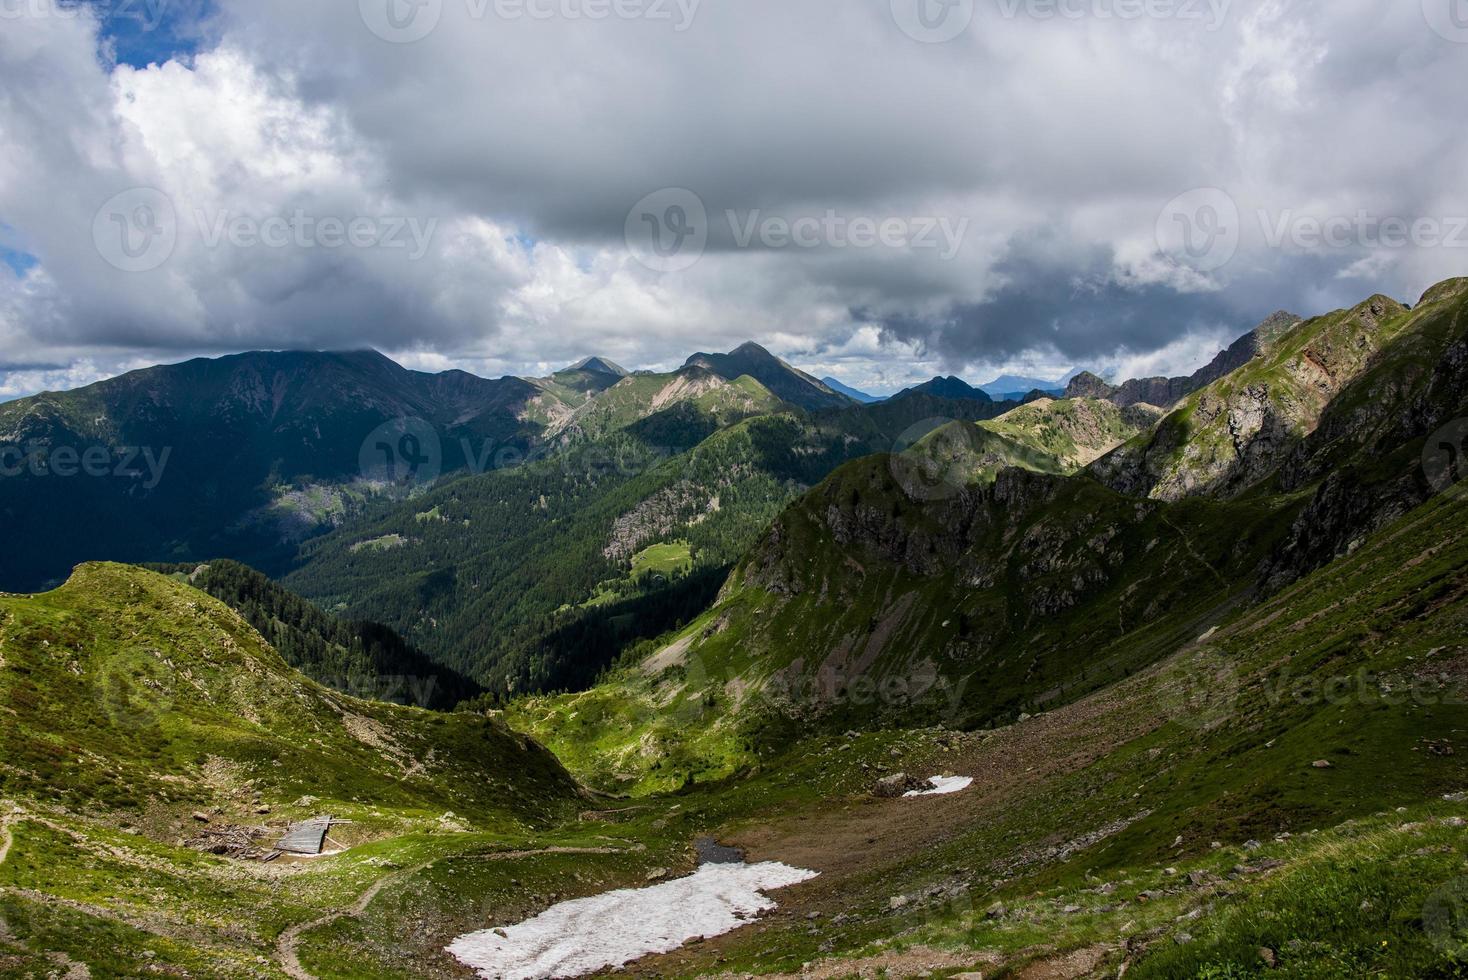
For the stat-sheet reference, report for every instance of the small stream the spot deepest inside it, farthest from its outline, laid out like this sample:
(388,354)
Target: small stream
(608,930)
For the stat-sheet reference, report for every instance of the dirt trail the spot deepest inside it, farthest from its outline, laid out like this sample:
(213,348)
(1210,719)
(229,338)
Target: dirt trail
(6,839)
(287,947)
(873,834)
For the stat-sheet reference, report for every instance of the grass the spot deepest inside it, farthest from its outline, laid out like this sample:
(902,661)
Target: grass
(1118,774)
(659,561)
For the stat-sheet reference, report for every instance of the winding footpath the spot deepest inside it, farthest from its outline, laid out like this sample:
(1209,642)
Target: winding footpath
(6,839)
(287,947)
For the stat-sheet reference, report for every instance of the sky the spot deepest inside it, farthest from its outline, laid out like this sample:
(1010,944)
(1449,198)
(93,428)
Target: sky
(879,190)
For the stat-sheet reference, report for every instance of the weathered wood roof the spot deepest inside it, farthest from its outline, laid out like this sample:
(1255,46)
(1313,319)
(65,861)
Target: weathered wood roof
(308,837)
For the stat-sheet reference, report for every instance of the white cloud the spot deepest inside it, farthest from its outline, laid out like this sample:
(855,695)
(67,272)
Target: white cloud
(522,144)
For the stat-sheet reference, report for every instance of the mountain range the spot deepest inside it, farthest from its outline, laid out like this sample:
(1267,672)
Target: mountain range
(1186,656)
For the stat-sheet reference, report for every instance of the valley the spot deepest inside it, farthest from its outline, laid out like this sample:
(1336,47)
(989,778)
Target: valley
(1201,662)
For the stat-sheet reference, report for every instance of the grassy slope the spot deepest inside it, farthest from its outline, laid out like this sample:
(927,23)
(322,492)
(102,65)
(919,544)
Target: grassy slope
(479,586)
(1213,744)
(864,608)
(987,603)
(1076,431)
(1228,436)
(1091,829)
(129,701)
(128,690)
(361,658)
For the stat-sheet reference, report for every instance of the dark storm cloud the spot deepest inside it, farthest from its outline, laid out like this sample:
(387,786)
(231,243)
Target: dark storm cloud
(527,141)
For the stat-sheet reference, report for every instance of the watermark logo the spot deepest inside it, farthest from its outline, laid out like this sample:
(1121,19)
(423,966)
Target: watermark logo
(303,230)
(134,695)
(142,464)
(1210,13)
(838,231)
(933,21)
(137,230)
(1449,18)
(1204,692)
(1445,919)
(1364,229)
(1204,228)
(933,459)
(404,451)
(668,230)
(408,21)
(1445,455)
(401,21)
(704,684)
(146,14)
(1200,229)
(940,21)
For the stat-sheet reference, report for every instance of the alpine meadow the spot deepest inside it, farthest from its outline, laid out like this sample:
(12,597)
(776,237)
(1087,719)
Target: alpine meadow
(968,489)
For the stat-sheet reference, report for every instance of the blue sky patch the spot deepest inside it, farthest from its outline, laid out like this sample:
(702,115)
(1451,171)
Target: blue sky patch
(144,32)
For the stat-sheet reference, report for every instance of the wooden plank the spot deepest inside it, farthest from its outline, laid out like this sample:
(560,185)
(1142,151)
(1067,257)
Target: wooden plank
(306,838)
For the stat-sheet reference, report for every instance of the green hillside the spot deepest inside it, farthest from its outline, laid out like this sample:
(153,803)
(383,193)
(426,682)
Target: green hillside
(1281,798)
(133,691)
(365,659)
(493,574)
(979,601)
(238,457)
(1237,431)
(1076,431)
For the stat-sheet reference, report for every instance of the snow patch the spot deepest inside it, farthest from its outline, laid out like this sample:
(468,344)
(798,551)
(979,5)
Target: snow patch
(943,785)
(589,934)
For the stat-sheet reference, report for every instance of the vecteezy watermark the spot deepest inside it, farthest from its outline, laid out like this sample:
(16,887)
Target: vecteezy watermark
(138,230)
(1445,919)
(834,686)
(938,21)
(36,459)
(669,231)
(934,459)
(405,689)
(835,230)
(402,451)
(1449,18)
(1203,229)
(412,451)
(1203,691)
(1364,229)
(134,692)
(1445,455)
(1200,229)
(407,21)
(147,14)
(1364,687)
(933,21)
(306,231)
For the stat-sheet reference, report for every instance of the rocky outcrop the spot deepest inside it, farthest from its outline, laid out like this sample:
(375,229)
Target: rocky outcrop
(1166,392)
(1239,429)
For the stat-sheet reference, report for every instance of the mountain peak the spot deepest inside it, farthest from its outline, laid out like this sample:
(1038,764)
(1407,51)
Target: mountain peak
(598,365)
(951,387)
(788,383)
(1088,385)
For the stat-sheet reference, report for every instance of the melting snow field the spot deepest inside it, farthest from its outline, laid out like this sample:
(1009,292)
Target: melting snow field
(608,930)
(943,785)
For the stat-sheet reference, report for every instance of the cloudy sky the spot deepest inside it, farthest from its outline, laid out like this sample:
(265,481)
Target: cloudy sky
(876,189)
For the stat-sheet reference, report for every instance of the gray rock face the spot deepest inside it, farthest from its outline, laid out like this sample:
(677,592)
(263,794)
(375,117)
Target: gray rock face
(1166,392)
(896,785)
(1241,428)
